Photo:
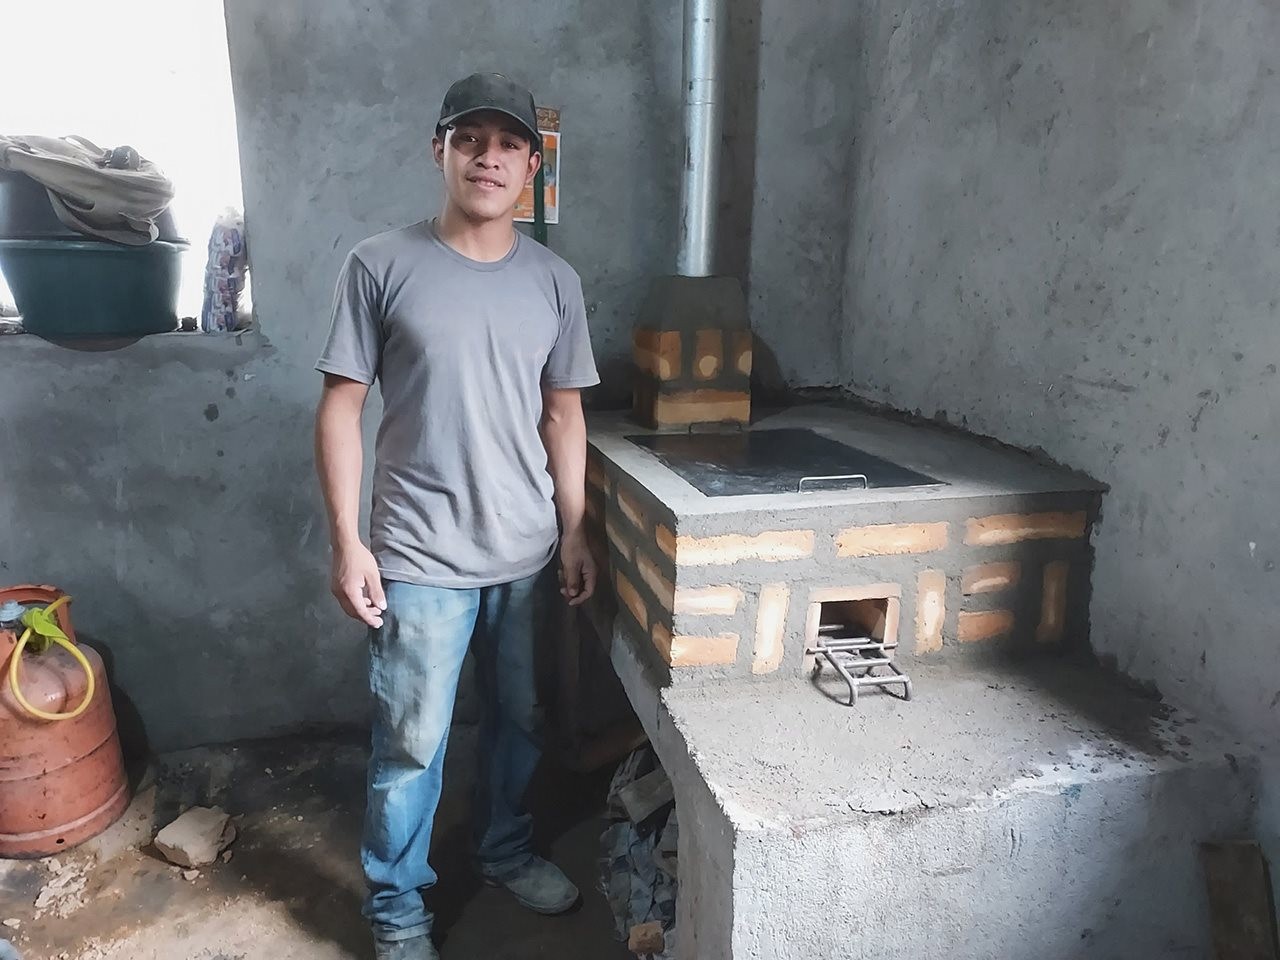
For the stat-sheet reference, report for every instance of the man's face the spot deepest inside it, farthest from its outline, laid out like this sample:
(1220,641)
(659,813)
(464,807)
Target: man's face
(487,160)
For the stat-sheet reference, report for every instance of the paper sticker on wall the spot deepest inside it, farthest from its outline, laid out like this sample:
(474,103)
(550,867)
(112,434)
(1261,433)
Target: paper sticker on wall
(549,127)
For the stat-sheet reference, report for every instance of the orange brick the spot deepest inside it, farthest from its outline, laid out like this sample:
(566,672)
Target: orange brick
(630,598)
(620,543)
(931,610)
(702,406)
(707,601)
(643,392)
(596,475)
(984,625)
(662,640)
(662,588)
(644,350)
(885,539)
(666,540)
(704,651)
(990,577)
(730,548)
(599,547)
(1017,527)
(861,591)
(658,352)
(1053,602)
(742,352)
(771,623)
(688,651)
(708,354)
(632,510)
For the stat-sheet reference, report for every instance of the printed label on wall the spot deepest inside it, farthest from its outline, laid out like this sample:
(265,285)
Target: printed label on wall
(549,127)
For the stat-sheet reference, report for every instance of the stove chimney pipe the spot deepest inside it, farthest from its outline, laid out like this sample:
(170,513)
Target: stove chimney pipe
(700,180)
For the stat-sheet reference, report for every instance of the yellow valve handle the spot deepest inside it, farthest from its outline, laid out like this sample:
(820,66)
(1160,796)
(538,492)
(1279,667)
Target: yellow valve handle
(72,649)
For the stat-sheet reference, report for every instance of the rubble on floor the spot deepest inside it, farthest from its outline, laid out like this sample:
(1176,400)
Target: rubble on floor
(63,894)
(293,889)
(639,866)
(197,838)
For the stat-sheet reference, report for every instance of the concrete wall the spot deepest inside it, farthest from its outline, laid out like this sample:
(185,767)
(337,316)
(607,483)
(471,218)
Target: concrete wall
(337,104)
(1064,235)
(167,486)
(787,154)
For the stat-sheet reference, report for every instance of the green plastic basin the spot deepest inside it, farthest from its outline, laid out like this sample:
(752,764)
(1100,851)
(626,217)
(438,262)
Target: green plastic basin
(92,288)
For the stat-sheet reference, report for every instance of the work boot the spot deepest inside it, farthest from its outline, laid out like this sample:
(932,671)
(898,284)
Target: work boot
(415,948)
(538,885)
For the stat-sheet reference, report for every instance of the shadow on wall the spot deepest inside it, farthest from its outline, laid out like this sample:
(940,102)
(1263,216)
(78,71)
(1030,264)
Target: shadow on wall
(129,724)
(768,386)
(617,375)
(741,113)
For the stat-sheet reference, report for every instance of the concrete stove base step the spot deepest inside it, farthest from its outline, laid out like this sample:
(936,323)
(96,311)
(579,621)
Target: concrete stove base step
(1020,810)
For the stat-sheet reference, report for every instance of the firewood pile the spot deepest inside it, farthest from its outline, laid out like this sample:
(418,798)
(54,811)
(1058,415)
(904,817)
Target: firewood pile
(639,868)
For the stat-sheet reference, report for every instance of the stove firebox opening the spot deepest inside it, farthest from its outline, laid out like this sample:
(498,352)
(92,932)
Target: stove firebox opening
(854,633)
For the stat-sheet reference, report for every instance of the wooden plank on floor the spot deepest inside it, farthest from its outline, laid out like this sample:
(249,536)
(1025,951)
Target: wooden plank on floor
(1241,911)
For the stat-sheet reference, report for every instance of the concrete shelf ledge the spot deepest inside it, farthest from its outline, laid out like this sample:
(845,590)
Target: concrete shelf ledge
(174,344)
(1019,808)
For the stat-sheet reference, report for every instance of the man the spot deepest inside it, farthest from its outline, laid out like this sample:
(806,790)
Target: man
(478,337)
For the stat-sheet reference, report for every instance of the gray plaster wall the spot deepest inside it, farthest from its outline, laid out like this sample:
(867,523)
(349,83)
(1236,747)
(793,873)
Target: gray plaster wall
(167,486)
(786,159)
(1064,235)
(337,104)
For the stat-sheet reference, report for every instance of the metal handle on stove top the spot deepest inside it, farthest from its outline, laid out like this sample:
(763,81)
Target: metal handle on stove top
(866,484)
(715,426)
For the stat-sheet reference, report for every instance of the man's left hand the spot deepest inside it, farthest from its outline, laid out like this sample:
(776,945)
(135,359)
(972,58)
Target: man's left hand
(577,569)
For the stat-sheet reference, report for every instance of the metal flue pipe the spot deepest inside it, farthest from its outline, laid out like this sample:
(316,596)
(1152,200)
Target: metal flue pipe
(703,96)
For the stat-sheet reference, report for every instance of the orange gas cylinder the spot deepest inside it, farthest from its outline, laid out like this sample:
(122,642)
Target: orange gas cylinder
(61,781)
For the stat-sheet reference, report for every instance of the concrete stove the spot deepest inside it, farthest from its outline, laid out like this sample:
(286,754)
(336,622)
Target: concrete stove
(1024,805)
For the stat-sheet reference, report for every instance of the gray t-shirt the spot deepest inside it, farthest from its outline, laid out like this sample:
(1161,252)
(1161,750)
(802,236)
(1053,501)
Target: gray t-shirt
(462,350)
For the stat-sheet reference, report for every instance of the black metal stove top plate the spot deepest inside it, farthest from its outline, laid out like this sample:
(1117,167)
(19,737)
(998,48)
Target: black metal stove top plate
(772,461)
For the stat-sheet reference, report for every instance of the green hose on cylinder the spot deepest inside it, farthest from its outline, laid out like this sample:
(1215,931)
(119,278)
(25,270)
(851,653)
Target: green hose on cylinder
(41,625)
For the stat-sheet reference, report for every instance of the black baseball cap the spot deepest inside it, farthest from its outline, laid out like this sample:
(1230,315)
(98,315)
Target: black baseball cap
(491,91)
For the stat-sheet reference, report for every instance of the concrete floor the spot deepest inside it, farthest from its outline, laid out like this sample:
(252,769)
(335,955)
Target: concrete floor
(292,888)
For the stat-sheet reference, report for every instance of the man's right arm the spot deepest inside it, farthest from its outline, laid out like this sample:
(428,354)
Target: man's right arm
(340,462)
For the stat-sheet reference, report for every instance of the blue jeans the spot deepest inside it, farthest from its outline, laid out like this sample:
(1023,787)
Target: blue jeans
(415,660)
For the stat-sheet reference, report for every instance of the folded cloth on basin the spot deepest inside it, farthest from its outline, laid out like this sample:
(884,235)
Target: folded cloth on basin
(112,195)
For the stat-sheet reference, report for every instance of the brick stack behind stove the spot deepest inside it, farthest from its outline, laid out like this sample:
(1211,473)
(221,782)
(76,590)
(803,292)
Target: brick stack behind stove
(692,352)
